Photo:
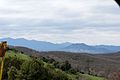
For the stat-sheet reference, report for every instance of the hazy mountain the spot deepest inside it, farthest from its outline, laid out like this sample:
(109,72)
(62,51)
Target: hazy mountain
(37,45)
(86,48)
(70,47)
(110,47)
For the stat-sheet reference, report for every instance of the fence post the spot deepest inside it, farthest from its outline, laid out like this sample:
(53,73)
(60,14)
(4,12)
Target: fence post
(3,46)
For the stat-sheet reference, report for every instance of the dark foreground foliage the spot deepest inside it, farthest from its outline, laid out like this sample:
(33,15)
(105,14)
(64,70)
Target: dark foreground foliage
(34,69)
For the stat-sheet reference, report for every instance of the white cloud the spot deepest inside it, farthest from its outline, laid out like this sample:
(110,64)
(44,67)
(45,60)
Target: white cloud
(90,21)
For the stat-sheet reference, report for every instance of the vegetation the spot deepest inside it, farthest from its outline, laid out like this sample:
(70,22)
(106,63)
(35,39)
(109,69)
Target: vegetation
(102,65)
(19,66)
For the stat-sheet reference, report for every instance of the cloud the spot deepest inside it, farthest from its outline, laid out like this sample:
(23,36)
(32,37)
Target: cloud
(92,22)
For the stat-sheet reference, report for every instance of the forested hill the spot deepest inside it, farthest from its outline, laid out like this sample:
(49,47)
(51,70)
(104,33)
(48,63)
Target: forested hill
(20,66)
(104,65)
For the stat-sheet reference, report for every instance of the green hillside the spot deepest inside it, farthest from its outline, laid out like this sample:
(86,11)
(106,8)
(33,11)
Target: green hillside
(19,66)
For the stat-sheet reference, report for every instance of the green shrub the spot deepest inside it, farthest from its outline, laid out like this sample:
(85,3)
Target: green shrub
(12,73)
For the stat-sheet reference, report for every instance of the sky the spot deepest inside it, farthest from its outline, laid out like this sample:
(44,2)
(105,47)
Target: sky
(78,21)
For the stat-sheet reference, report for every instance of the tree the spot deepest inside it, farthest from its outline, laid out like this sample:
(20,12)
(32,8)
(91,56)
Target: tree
(66,66)
(32,70)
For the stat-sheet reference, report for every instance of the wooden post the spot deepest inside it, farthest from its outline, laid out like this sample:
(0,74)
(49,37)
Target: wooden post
(3,46)
(1,69)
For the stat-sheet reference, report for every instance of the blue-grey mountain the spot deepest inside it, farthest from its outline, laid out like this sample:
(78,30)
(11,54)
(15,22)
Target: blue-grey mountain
(69,47)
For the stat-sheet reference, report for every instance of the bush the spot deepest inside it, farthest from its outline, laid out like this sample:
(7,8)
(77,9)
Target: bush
(66,66)
(35,70)
(32,70)
(73,71)
(12,73)
(11,62)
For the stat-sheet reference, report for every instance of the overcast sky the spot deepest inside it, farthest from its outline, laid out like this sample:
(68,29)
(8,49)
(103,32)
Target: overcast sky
(91,21)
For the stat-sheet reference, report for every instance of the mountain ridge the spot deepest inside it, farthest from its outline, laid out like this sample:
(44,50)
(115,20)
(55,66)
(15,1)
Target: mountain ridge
(67,46)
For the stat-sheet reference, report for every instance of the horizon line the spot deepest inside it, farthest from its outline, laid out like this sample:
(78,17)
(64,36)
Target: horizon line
(60,42)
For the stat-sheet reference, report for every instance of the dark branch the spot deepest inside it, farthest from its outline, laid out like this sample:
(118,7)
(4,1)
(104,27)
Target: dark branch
(118,1)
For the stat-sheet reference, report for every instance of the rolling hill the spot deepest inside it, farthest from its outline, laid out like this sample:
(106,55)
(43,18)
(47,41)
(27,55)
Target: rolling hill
(21,66)
(96,64)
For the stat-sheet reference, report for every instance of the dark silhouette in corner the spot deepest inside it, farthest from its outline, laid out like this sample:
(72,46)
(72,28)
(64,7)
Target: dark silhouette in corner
(118,1)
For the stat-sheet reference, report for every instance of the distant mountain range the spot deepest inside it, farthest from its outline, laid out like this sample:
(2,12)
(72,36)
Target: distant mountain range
(68,47)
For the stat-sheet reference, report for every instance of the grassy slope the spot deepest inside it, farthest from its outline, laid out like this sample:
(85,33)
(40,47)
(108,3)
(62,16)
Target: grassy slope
(71,76)
(18,55)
